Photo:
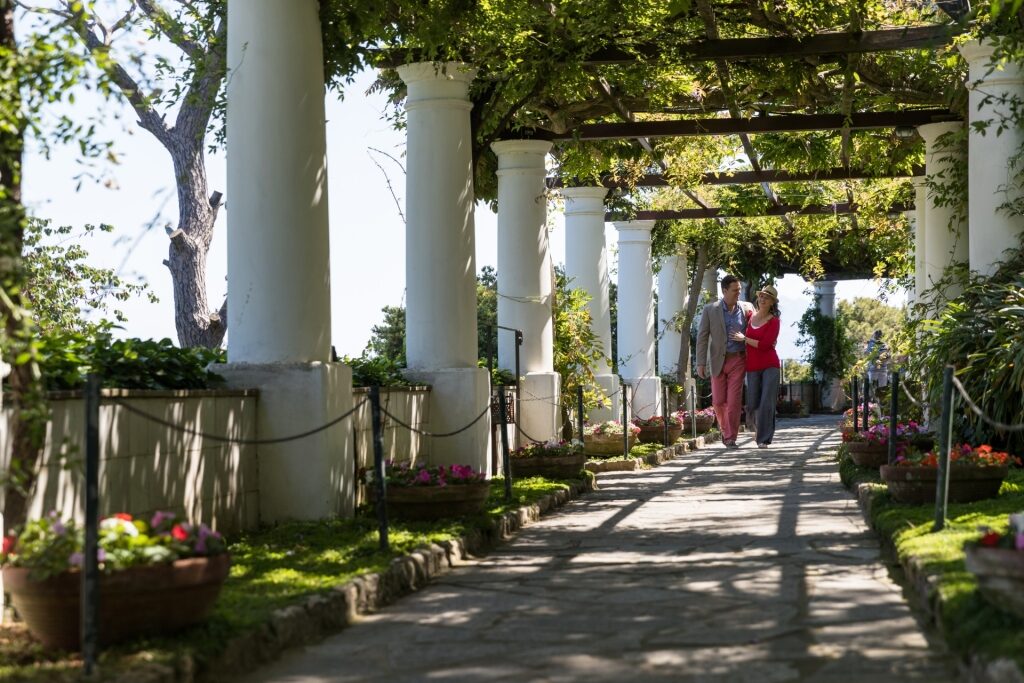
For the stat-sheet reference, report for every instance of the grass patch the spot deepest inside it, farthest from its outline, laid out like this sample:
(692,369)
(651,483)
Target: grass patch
(969,623)
(273,568)
(852,474)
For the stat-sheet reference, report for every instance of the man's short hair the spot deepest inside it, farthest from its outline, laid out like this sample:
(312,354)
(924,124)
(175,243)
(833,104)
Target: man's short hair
(727,282)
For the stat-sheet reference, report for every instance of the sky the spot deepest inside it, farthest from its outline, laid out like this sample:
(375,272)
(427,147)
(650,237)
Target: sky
(367,233)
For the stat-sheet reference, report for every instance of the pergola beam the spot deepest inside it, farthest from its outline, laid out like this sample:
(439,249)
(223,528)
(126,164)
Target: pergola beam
(751,177)
(844,208)
(786,123)
(884,40)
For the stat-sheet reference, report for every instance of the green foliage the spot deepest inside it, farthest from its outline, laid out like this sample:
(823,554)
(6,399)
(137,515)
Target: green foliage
(577,349)
(865,315)
(798,372)
(67,356)
(831,352)
(376,371)
(980,334)
(62,288)
(487,314)
(387,340)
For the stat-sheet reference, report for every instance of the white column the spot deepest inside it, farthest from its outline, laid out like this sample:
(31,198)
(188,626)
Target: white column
(946,234)
(994,92)
(524,282)
(279,296)
(279,305)
(832,395)
(440,266)
(672,297)
(911,217)
(826,291)
(636,317)
(586,267)
(709,284)
(920,239)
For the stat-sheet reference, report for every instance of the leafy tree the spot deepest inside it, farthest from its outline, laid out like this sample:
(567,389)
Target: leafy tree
(62,288)
(577,349)
(864,315)
(190,87)
(487,313)
(387,339)
(831,352)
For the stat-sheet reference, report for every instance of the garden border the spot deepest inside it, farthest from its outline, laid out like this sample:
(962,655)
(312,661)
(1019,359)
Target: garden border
(927,597)
(663,455)
(327,613)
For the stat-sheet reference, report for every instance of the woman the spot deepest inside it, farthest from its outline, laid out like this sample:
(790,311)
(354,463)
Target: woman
(763,366)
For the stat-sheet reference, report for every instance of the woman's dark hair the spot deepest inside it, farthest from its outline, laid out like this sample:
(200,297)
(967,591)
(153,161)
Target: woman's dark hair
(775,310)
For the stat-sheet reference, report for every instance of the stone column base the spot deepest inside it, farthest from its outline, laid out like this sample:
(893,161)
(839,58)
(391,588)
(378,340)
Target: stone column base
(311,477)
(457,397)
(612,409)
(540,417)
(645,401)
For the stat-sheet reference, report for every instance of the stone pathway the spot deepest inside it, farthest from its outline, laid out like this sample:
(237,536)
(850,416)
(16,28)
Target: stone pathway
(720,566)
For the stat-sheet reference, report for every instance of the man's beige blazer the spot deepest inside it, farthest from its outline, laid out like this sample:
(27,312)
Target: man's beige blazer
(712,328)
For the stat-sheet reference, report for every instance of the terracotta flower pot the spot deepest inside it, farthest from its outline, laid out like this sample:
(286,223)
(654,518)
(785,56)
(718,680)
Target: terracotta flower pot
(138,601)
(867,454)
(552,467)
(436,502)
(967,483)
(1000,574)
(605,444)
(656,434)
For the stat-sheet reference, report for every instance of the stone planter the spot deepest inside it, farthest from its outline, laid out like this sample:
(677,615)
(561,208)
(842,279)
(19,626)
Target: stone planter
(1000,574)
(605,444)
(704,424)
(552,467)
(151,600)
(967,483)
(865,454)
(436,502)
(657,434)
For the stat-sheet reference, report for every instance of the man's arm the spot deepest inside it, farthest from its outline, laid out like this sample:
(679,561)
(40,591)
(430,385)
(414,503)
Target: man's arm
(703,332)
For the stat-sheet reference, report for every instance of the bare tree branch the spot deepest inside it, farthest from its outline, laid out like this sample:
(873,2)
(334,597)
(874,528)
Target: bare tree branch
(198,103)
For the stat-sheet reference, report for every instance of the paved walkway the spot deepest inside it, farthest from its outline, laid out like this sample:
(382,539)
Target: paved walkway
(720,566)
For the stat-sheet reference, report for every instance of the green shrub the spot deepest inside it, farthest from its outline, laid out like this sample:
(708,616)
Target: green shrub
(376,371)
(66,357)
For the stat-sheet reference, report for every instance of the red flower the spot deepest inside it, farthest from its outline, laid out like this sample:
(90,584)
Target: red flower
(990,540)
(123,515)
(9,543)
(179,533)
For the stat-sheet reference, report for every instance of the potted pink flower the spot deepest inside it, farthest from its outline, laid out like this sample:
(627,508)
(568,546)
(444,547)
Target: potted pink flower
(997,561)
(419,491)
(156,576)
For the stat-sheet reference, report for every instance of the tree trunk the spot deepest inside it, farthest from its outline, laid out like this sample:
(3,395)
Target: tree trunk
(24,389)
(683,370)
(196,324)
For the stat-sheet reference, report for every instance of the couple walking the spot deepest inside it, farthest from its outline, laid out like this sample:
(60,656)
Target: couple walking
(742,342)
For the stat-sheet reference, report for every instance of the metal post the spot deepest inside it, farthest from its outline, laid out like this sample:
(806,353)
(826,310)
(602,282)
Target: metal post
(867,398)
(664,411)
(579,412)
(90,602)
(378,468)
(625,420)
(506,465)
(693,408)
(945,445)
(856,403)
(894,410)
(519,411)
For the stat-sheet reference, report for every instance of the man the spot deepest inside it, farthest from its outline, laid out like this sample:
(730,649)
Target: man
(878,360)
(719,321)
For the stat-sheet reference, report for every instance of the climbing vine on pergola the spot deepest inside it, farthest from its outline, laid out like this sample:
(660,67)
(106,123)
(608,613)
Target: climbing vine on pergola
(551,69)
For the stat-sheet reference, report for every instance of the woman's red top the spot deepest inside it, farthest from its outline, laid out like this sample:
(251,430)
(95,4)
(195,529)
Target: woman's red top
(764,355)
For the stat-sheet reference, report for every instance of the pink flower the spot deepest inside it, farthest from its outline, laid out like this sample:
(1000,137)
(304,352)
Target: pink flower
(178,532)
(1018,542)
(8,544)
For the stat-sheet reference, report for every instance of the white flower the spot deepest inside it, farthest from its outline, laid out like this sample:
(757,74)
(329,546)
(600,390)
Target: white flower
(119,525)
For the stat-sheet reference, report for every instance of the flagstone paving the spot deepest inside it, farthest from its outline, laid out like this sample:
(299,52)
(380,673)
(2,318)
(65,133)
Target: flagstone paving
(719,566)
